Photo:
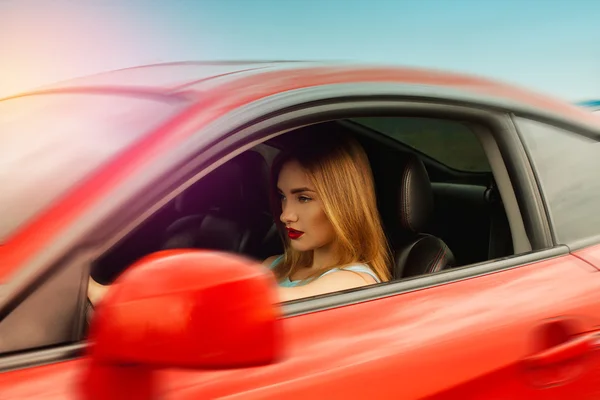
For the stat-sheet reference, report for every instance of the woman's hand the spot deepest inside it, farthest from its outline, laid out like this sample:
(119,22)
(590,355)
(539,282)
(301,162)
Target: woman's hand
(96,291)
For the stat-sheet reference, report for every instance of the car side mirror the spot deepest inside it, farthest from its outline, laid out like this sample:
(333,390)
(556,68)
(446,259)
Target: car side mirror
(181,309)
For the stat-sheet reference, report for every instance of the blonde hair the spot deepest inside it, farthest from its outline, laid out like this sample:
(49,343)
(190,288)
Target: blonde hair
(339,169)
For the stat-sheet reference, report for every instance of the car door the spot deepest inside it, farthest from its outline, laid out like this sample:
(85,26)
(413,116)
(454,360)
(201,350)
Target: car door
(474,338)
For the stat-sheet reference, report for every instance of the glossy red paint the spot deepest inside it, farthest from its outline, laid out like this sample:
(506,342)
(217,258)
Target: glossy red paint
(471,337)
(217,101)
(590,255)
(461,334)
(55,381)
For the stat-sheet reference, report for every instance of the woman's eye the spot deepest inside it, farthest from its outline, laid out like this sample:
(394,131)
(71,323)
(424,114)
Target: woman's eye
(282,196)
(304,199)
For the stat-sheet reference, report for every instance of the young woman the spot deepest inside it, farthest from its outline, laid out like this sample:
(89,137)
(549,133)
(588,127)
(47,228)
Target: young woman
(325,197)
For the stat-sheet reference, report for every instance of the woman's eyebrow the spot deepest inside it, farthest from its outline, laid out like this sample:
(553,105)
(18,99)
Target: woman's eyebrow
(297,190)
(300,190)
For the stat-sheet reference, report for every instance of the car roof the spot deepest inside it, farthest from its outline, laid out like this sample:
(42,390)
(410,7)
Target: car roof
(195,79)
(163,77)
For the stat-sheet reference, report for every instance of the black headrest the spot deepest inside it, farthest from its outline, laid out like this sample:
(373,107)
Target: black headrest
(240,183)
(415,196)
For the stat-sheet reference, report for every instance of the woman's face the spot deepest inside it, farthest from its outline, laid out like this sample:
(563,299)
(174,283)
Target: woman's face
(302,211)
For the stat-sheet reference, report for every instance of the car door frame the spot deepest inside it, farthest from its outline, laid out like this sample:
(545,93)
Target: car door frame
(246,126)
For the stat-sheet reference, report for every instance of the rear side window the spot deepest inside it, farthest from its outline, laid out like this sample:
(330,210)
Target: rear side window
(48,143)
(567,166)
(448,142)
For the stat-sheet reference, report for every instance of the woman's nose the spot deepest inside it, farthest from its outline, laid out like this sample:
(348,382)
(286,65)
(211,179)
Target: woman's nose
(288,215)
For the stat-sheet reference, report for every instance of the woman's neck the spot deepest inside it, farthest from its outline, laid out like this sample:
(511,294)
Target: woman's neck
(323,256)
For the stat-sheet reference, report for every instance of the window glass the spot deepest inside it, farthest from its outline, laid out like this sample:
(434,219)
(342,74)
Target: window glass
(449,142)
(48,143)
(567,166)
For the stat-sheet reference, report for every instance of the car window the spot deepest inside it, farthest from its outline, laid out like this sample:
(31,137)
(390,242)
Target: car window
(449,142)
(50,142)
(567,168)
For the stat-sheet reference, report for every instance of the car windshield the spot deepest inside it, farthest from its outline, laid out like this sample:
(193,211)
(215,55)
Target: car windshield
(50,142)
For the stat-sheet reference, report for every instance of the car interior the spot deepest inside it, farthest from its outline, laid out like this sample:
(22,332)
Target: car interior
(451,214)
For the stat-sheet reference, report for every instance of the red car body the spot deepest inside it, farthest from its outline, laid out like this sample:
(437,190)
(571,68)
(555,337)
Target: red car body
(528,330)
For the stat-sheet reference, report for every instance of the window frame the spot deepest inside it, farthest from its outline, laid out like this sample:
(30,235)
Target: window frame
(257,133)
(255,123)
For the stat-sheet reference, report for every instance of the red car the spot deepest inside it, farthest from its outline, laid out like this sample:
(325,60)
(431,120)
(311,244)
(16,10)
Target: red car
(155,178)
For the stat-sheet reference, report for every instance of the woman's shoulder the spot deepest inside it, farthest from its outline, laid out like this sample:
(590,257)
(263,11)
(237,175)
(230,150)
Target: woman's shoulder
(359,268)
(271,261)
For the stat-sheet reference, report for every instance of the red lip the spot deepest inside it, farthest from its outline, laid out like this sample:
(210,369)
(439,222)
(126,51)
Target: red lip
(294,234)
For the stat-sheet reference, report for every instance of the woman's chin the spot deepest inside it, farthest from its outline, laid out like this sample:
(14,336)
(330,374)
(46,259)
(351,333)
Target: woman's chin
(299,246)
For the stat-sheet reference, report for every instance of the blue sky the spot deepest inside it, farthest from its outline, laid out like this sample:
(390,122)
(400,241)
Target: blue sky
(552,46)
